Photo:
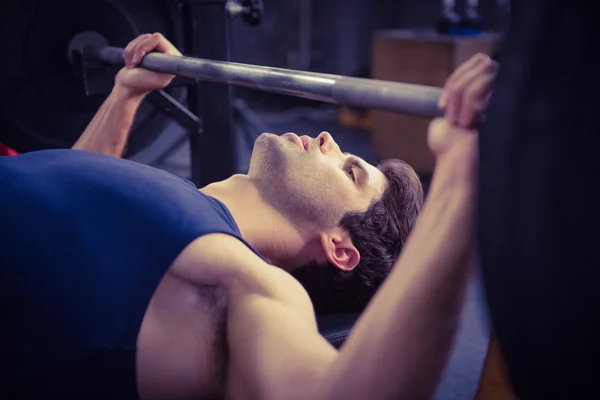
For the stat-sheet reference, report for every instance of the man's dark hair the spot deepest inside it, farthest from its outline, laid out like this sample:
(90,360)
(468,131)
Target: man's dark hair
(378,234)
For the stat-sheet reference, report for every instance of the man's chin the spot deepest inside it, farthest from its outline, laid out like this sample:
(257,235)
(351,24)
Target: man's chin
(266,136)
(267,155)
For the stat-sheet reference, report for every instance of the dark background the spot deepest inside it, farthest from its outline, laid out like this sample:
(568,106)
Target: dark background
(341,33)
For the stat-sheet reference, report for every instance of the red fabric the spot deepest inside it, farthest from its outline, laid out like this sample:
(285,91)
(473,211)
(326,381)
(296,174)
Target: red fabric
(7,151)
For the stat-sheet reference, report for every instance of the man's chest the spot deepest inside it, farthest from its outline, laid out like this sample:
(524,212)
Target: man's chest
(181,344)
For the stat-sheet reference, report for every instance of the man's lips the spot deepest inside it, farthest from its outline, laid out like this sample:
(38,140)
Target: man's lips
(298,141)
(305,142)
(301,142)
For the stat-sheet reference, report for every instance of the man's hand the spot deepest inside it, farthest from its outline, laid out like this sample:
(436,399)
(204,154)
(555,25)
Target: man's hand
(108,131)
(135,81)
(467,91)
(466,95)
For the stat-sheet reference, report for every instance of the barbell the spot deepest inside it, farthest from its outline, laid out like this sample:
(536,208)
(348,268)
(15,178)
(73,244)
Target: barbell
(44,103)
(359,92)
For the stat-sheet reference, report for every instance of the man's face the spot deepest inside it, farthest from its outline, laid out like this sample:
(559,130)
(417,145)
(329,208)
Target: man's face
(311,181)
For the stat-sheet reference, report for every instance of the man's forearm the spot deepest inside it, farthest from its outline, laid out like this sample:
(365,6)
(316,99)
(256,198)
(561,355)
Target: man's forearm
(108,131)
(400,345)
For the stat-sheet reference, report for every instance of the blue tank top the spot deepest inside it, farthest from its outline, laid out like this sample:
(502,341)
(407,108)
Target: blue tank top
(86,238)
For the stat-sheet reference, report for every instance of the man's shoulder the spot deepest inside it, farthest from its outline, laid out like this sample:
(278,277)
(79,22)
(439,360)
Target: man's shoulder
(216,258)
(224,260)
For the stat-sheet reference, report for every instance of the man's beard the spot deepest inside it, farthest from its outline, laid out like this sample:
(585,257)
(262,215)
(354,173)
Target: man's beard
(286,181)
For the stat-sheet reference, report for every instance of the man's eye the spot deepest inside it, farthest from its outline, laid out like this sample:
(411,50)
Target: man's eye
(351,173)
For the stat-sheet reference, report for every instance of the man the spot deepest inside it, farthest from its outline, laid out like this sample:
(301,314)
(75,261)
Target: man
(122,281)
(314,205)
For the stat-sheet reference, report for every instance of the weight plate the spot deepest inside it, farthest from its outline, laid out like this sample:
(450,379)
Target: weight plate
(42,101)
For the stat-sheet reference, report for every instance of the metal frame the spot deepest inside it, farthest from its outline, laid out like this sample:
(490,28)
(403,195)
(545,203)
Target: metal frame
(206,31)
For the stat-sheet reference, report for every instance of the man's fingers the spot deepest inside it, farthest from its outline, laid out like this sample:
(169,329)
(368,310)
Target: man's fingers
(484,66)
(140,79)
(130,49)
(146,44)
(475,99)
(166,47)
(143,47)
(456,89)
(475,93)
(470,64)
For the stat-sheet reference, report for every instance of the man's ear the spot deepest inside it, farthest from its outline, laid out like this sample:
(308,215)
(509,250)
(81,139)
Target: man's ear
(339,250)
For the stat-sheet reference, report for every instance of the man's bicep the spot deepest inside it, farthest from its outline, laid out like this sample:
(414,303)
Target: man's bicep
(275,349)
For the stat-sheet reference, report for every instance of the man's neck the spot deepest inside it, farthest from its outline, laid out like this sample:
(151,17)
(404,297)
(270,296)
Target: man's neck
(267,230)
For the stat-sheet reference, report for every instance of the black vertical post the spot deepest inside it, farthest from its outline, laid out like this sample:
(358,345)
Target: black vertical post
(206,35)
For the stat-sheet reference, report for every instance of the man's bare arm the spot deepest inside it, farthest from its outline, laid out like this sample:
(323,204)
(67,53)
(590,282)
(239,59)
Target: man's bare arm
(401,343)
(109,130)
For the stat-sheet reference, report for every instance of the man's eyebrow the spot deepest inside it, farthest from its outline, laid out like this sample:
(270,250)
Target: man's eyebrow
(359,164)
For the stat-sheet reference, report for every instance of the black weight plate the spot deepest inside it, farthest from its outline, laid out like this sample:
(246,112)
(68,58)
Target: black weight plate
(42,101)
(539,206)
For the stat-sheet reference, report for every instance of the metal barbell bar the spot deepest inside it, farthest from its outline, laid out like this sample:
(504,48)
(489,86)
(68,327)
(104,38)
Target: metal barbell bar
(359,92)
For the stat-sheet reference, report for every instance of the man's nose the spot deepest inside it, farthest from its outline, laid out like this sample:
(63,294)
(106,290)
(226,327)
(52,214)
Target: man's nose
(327,144)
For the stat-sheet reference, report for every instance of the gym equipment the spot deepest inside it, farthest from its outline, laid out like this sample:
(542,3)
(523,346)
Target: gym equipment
(42,103)
(449,21)
(471,23)
(539,210)
(211,102)
(250,10)
(49,95)
(359,92)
